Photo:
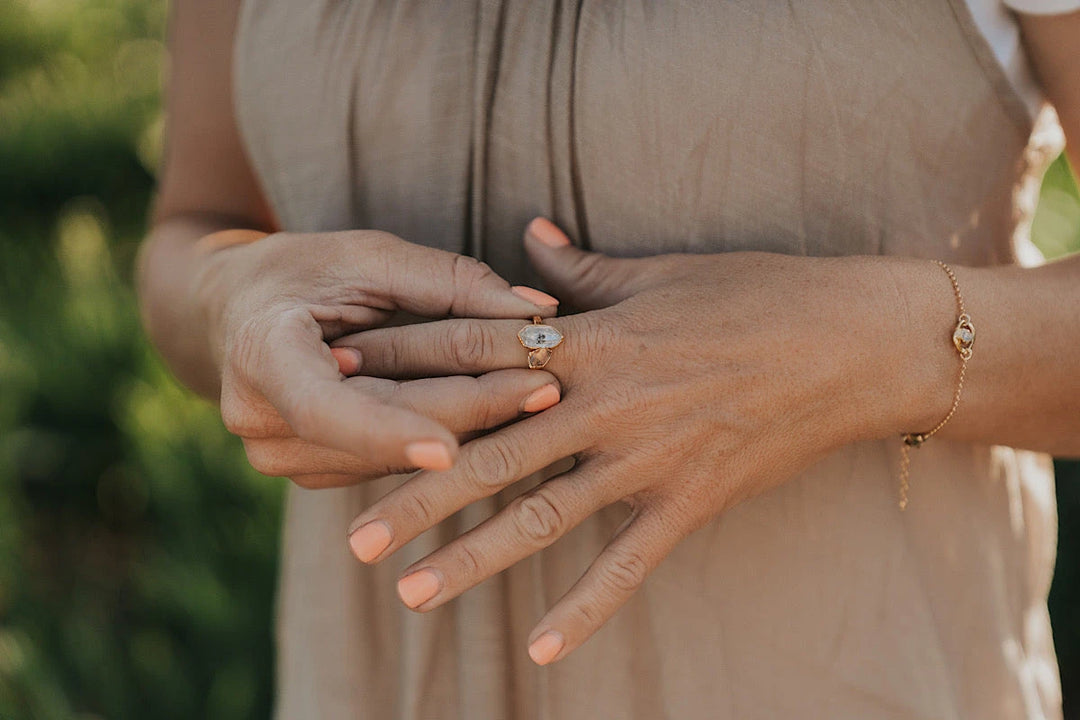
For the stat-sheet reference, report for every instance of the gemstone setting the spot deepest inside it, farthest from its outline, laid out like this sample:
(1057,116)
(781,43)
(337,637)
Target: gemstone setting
(536,337)
(964,336)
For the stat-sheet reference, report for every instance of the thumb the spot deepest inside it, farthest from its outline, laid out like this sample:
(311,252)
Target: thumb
(586,280)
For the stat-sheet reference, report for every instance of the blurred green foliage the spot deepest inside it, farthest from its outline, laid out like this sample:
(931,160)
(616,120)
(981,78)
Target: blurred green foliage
(137,549)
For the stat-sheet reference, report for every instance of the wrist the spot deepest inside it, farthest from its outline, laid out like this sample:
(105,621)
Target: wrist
(215,276)
(920,364)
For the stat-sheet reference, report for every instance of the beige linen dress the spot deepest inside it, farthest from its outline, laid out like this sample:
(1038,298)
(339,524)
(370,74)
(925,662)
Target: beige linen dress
(812,128)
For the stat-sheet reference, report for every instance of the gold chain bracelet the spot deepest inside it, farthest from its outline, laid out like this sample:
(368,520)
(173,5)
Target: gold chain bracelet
(963,338)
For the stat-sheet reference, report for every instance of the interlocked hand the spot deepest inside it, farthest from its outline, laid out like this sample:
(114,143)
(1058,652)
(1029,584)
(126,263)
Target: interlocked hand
(690,383)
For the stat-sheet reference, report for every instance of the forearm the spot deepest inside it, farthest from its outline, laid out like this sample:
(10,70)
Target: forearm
(1022,384)
(175,277)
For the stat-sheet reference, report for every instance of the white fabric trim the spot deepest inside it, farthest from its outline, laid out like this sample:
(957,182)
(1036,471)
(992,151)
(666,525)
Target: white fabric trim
(997,23)
(1043,7)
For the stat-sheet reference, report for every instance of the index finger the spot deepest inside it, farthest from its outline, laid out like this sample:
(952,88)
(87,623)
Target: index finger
(296,373)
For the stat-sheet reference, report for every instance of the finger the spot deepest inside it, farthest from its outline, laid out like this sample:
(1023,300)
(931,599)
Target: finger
(337,320)
(616,574)
(531,522)
(462,404)
(463,347)
(324,481)
(444,347)
(293,458)
(584,280)
(295,372)
(485,466)
(348,360)
(437,283)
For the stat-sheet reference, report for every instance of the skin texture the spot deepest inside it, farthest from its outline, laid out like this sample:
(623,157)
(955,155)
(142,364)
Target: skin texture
(678,399)
(242,313)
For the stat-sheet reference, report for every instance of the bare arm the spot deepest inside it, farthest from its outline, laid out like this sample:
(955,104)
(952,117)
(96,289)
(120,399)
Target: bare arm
(207,185)
(242,312)
(1023,386)
(1053,44)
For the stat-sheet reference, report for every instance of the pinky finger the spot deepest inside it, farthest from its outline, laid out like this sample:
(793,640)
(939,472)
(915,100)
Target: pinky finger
(322,481)
(616,574)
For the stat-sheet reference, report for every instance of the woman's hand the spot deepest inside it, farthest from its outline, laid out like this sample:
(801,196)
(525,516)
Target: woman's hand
(271,305)
(691,383)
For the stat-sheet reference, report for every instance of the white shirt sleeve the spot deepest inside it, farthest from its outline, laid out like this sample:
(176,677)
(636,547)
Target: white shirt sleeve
(996,20)
(1043,7)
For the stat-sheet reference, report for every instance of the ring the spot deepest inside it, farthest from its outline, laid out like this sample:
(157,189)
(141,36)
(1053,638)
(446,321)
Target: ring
(539,339)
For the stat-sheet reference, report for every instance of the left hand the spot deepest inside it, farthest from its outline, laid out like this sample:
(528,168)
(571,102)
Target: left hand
(690,383)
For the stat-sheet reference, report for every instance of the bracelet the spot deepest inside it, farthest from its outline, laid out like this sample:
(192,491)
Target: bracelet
(963,338)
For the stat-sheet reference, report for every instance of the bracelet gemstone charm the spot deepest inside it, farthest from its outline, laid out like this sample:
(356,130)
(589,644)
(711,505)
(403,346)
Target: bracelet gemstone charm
(963,338)
(539,339)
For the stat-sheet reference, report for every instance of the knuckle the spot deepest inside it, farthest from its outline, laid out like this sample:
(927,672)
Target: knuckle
(589,614)
(468,271)
(468,561)
(487,404)
(418,509)
(625,572)
(479,413)
(494,463)
(539,519)
(471,344)
(595,335)
(468,274)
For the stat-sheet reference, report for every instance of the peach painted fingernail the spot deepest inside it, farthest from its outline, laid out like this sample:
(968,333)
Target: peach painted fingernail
(546,232)
(546,647)
(370,540)
(348,360)
(541,399)
(419,587)
(428,454)
(534,296)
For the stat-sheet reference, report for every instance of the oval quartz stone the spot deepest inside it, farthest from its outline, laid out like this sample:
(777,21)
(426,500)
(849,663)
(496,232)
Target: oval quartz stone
(535,337)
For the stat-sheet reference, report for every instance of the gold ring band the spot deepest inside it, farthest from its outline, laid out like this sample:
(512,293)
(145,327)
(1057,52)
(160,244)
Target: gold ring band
(539,339)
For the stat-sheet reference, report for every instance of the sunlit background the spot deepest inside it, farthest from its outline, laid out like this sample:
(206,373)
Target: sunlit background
(137,549)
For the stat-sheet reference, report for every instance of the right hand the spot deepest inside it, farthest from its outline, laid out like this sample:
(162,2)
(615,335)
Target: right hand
(271,307)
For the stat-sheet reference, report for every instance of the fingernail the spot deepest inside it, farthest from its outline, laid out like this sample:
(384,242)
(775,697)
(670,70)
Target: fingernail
(428,454)
(370,540)
(546,647)
(534,296)
(348,359)
(419,587)
(546,232)
(541,399)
